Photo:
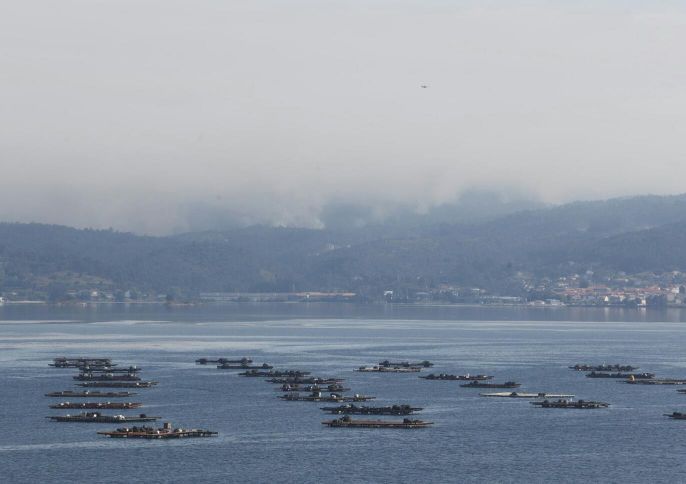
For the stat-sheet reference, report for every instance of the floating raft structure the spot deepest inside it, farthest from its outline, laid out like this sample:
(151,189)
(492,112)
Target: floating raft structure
(98,405)
(621,376)
(333,388)
(407,364)
(388,369)
(64,362)
(97,417)
(306,381)
(351,409)
(676,415)
(166,432)
(405,423)
(110,369)
(274,373)
(481,384)
(118,384)
(579,367)
(663,381)
(87,394)
(221,361)
(106,377)
(244,366)
(526,395)
(318,397)
(467,377)
(579,404)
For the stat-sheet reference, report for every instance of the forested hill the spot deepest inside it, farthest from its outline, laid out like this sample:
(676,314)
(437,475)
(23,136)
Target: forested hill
(631,235)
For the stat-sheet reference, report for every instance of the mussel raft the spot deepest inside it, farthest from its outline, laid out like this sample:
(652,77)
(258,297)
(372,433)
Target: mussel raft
(274,373)
(388,369)
(221,361)
(166,432)
(351,409)
(579,367)
(347,422)
(481,384)
(407,364)
(318,397)
(579,404)
(467,377)
(621,376)
(97,417)
(86,394)
(117,384)
(97,405)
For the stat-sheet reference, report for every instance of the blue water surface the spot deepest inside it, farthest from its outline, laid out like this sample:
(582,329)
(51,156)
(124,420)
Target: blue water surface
(263,439)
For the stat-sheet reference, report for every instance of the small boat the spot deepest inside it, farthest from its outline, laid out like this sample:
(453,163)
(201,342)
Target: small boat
(406,423)
(117,384)
(221,361)
(579,367)
(318,397)
(579,404)
(388,369)
(305,381)
(467,377)
(363,410)
(525,395)
(97,417)
(71,394)
(407,364)
(274,373)
(333,388)
(98,405)
(166,432)
(480,384)
(676,415)
(244,366)
(620,376)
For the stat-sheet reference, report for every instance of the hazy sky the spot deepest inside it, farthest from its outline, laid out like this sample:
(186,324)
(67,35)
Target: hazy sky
(147,114)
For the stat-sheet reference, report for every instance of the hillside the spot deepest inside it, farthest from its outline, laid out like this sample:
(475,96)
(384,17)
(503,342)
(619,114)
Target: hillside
(630,235)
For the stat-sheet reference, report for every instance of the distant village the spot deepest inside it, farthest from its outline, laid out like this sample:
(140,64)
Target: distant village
(645,290)
(618,290)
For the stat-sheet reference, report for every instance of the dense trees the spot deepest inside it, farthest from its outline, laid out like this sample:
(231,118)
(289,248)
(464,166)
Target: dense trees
(630,235)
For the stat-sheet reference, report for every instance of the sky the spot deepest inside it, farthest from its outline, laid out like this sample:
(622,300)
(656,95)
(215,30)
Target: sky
(161,116)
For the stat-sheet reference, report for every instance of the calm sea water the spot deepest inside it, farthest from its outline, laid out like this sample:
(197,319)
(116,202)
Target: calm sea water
(263,439)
